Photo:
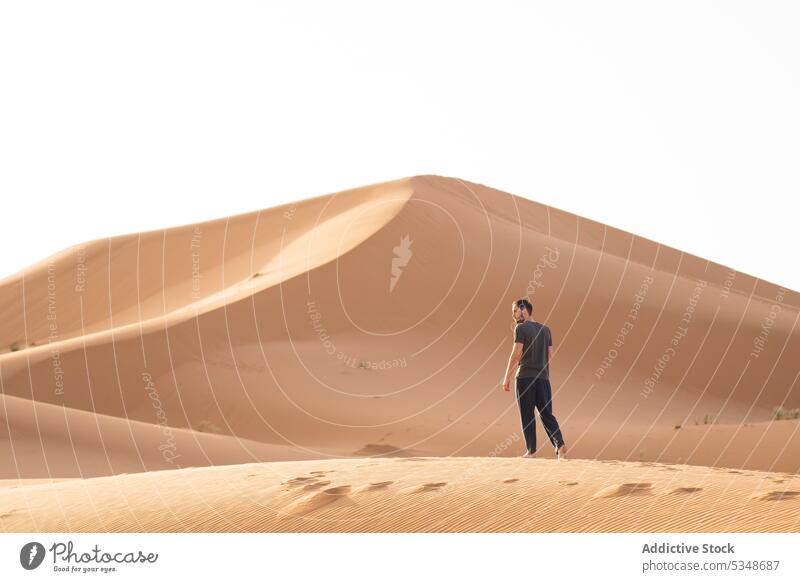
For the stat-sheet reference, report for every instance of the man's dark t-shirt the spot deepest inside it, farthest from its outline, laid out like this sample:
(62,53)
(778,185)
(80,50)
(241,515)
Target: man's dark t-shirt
(534,337)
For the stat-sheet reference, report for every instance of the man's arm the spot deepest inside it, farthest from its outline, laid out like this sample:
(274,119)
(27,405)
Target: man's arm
(513,362)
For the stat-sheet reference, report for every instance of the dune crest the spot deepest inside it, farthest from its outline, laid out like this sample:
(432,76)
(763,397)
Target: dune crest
(462,494)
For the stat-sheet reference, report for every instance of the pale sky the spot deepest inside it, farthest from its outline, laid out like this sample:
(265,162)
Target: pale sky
(677,121)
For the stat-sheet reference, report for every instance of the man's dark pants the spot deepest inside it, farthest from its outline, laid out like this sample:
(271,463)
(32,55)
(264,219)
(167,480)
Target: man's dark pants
(535,391)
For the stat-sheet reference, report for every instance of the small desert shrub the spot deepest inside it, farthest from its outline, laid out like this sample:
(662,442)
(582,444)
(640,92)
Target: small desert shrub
(14,347)
(677,426)
(781,413)
(208,426)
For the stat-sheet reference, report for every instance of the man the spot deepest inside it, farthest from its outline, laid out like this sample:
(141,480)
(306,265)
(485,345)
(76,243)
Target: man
(533,347)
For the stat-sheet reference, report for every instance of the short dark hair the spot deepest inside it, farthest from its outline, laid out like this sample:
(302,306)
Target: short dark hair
(520,303)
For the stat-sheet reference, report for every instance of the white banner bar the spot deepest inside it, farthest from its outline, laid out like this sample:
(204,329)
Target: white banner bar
(372,557)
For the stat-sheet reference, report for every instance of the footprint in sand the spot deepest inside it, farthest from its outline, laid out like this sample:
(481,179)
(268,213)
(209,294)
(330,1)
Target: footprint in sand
(424,487)
(777,495)
(297,480)
(681,490)
(625,489)
(668,469)
(513,480)
(735,472)
(372,486)
(317,500)
(320,472)
(567,482)
(315,486)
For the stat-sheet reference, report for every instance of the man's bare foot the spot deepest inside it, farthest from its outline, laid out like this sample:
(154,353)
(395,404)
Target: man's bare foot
(562,452)
(529,455)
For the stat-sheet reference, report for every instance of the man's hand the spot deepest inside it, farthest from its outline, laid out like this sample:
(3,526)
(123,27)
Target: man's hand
(513,363)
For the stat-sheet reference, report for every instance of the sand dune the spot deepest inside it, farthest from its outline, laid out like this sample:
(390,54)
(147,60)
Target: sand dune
(423,494)
(42,440)
(374,322)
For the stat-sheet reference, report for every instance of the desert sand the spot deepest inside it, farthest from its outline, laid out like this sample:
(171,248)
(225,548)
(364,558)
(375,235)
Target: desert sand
(414,494)
(335,365)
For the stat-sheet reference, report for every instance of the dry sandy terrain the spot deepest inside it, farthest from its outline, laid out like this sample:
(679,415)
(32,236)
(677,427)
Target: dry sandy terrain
(415,494)
(172,380)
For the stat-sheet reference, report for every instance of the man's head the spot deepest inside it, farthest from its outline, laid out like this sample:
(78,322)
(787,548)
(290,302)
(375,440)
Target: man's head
(521,310)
